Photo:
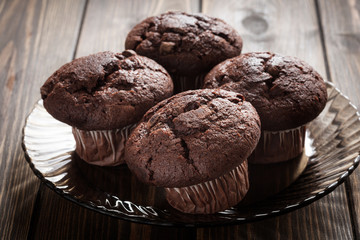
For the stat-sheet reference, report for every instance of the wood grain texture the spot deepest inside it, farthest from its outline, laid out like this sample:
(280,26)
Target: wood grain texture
(341,28)
(289,28)
(30,49)
(105,26)
(69,220)
(38,36)
(107,23)
(311,222)
(60,219)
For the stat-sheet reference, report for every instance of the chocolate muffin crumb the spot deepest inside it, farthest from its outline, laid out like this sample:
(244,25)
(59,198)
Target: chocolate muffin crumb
(192,137)
(105,90)
(285,91)
(185,44)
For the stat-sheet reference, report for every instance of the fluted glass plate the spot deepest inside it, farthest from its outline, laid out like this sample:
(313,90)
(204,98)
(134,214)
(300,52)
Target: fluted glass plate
(331,154)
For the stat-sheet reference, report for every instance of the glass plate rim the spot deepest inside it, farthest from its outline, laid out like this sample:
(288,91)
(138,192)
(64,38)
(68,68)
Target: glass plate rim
(144,220)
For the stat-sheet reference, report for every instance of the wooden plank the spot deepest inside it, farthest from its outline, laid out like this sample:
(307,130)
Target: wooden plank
(312,222)
(108,31)
(341,28)
(105,26)
(65,220)
(30,49)
(290,28)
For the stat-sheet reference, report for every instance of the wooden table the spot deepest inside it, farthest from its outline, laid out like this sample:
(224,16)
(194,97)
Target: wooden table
(38,36)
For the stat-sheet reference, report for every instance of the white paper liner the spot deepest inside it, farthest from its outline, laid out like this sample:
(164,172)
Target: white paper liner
(184,83)
(279,146)
(212,196)
(102,148)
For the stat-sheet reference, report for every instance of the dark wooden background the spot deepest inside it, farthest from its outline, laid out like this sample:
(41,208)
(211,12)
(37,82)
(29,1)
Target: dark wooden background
(38,36)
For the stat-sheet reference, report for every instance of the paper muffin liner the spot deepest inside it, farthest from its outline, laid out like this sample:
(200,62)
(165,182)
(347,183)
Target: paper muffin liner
(102,148)
(184,83)
(211,196)
(279,146)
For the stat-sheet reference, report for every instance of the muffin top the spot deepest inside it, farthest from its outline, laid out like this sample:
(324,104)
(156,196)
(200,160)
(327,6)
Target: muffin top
(185,44)
(105,90)
(285,91)
(192,137)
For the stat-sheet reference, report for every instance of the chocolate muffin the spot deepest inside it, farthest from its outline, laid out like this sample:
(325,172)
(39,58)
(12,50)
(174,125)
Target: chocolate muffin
(195,145)
(187,45)
(286,92)
(102,96)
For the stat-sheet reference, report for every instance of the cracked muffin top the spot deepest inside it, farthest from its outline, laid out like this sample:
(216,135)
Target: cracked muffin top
(185,44)
(192,137)
(285,91)
(105,90)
